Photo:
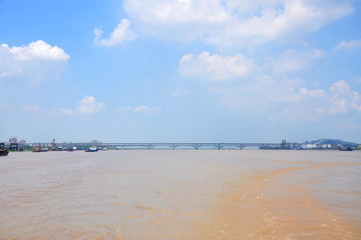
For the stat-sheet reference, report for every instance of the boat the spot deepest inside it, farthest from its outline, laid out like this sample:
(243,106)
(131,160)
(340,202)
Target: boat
(3,150)
(71,149)
(39,149)
(348,149)
(92,149)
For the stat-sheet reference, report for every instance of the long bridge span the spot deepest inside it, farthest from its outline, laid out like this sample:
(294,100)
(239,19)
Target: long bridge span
(163,145)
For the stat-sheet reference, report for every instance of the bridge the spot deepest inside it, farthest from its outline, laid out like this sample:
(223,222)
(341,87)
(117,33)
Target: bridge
(128,146)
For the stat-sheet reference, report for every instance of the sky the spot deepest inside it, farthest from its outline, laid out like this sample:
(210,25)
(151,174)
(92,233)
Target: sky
(180,70)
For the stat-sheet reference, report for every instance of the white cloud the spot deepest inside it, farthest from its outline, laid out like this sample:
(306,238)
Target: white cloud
(339,99)
(146,109)
(304,95)
(290,99)
(215,67)
(293,60)
(32,108)
(140,109)
(340,87)
(343,99)
(301,112)
(5,74)
(38,50)
(186,11)
(179,92)
(86,106)
(348,45)
(65,110)
(261,95)
(36,109)
(231,22)
(312,93)
(33,63)
(120,34)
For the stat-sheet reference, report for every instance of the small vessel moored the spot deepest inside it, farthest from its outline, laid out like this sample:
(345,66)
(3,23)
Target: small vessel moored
(348,149)
(92,149)
(39,149)
(71,149)
(3,150)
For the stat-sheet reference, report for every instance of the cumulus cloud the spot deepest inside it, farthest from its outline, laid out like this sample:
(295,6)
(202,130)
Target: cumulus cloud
(290,100)
(339,99)
(230,22)
(86,106)
(215,67)
(120,34)
(33,63)
(348,45)
(293,60)
(343,98)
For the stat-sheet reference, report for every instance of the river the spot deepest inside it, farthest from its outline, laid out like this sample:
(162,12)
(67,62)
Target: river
(181,194)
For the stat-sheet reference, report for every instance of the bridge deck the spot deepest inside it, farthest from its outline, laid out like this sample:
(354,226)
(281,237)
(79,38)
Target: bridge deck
(163,145)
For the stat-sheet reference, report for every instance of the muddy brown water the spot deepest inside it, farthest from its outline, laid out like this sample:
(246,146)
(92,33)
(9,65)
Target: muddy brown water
(181,194)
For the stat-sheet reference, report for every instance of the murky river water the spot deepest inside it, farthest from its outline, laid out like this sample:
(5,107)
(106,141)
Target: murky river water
(181,195)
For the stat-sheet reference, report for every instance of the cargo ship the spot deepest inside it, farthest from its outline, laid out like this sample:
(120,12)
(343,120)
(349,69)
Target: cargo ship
(3,150)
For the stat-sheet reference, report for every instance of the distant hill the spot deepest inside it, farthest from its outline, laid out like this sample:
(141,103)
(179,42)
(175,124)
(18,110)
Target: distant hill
(333,142)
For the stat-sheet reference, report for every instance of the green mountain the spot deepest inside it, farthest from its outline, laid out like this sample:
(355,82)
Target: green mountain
(333,142)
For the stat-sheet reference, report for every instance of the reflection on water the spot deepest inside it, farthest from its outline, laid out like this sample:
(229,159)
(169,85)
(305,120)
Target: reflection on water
(181,195)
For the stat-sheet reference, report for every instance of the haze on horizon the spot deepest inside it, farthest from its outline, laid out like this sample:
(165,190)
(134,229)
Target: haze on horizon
(180,71)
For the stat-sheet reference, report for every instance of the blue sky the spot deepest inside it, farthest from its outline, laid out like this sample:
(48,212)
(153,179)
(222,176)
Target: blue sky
(180,70)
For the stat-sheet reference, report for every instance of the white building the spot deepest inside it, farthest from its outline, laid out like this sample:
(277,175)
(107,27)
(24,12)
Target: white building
(309,146)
